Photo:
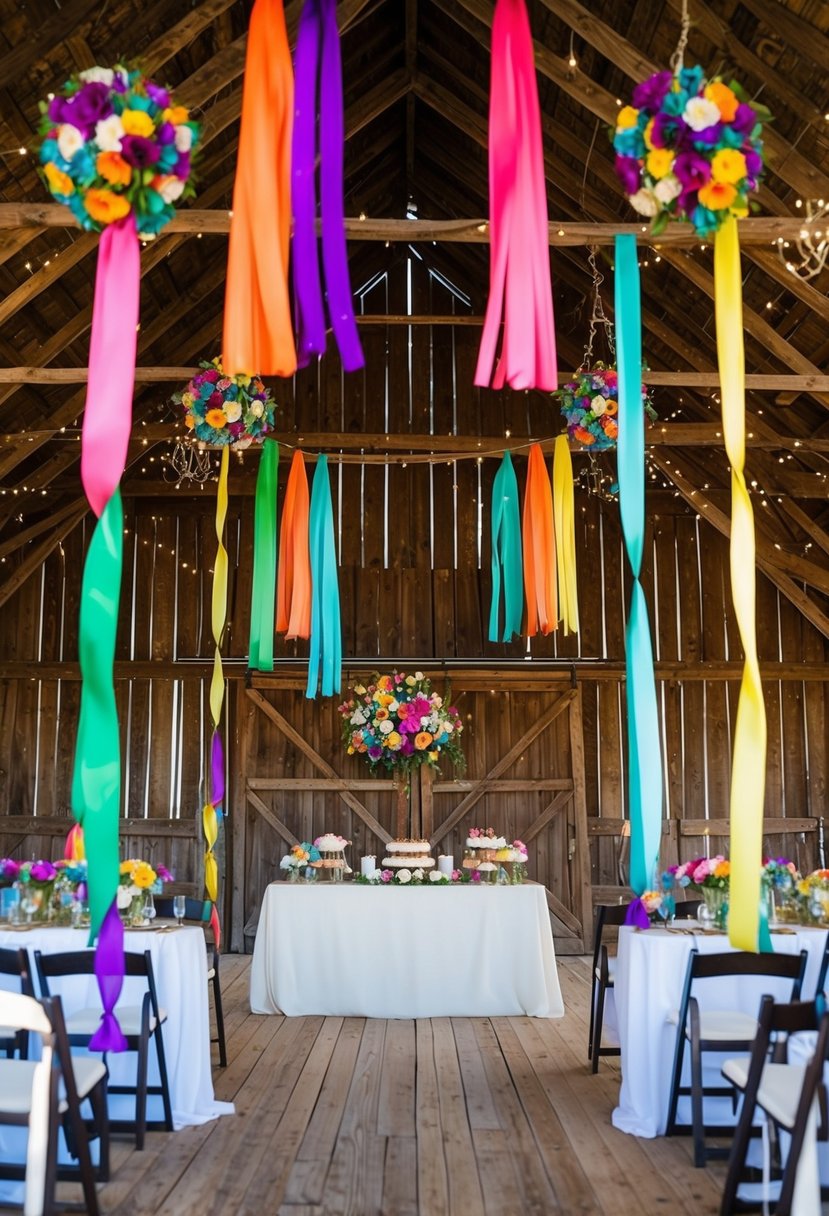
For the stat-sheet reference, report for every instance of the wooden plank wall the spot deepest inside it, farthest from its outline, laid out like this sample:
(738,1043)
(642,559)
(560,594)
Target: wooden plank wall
(414,575)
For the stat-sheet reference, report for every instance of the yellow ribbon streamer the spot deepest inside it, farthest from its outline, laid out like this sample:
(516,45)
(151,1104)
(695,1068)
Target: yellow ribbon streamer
(217,684)
(211,868)
(748,771)
(565,525)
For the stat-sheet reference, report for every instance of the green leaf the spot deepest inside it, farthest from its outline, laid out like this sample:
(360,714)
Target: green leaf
(738,90)
(660,223)
(763,113)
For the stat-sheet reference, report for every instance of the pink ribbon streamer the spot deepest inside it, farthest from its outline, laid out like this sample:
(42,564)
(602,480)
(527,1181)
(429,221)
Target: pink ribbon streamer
(519,278)
(107,419)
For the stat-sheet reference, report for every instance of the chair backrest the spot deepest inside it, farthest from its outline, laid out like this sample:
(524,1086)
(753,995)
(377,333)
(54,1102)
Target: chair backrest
(194,909)
(686,909)
(742,963)
(82,962)
(24,1013)
(16,962)
(607,915)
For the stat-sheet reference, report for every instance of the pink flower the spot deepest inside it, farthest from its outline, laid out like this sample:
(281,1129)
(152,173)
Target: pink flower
(701,871)
(387,876)
(456,875)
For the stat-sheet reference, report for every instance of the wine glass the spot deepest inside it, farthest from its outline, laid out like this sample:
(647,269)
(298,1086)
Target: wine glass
(29,903)
(705,917)
(179,908)
(148,910)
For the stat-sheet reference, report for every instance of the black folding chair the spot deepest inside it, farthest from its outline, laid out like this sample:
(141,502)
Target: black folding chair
(16,963)
(198,911)
(784,1092)
(139,1023)
(719,1030)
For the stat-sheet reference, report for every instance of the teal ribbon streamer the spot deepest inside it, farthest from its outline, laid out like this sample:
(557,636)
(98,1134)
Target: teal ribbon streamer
(325,654)
(96,781)
(644,753)
(263,594)
(507,558)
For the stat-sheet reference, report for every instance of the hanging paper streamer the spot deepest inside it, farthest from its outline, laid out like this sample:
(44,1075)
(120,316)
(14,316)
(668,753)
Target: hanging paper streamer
(325,653)
(644,762)
(293,588)
(519,274)
(564,515)
(506,554)
(539,548)
(213,805)
(746,930)
(262,604)
(318,61)
(73,849)
(257,324)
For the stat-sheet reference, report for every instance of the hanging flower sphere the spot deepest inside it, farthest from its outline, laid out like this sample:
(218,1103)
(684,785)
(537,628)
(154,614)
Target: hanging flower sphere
(114,143)
(690,149)
(590,405)
(222,410)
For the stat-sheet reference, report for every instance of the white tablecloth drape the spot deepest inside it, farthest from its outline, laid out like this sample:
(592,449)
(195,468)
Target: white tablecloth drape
(406,952)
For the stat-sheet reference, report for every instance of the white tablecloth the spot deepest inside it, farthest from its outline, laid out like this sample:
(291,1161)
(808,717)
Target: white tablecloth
(404,952)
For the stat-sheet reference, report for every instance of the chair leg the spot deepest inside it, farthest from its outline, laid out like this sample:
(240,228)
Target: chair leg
(98,1101)
(220,1020)
(592,1018)
(597,1028)
(81,1142)
(676,1081)
(736,1160)
(141,1092)
(696,1102)
(162,1073)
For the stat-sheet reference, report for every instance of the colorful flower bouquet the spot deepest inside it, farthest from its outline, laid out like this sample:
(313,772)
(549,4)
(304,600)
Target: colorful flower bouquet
(222,410)
(397,723)
(44,890)
(115,143)
(689,148)
(300,857)
(590,404)
(137,884)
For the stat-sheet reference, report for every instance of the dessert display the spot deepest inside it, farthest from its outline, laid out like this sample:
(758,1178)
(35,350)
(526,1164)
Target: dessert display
(408,855)
(332,855)
(482,849)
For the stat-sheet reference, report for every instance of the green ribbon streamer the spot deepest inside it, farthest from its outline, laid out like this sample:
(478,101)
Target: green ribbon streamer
(506,553)
(325,654)
(263,594)
(644,763)
(96,781)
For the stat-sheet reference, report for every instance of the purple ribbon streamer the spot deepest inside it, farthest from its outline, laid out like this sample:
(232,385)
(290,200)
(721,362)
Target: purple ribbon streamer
(217,771)
(110,970)
(636,915)
(318,61)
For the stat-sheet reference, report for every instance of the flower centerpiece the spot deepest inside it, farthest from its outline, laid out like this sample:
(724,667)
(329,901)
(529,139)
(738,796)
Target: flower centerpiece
(711,876)
(689,148)
(115,143)
(300,858)
(590,405)
(407,878)
(36,882)
(138,882)
(222,410)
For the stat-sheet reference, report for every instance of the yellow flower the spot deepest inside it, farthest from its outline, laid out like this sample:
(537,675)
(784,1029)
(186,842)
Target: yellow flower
(126,867)
(728,165)
(384,683)
(659,162)
(627,117)
(59,182)
(383,698)
(175,115)
(360,690)
(646,135)
(137,122)
(215,418)
(187,400)
(350,750)
(393,741)
(433,756)
(723,869)
(143,875)
(717,196)
(105,207)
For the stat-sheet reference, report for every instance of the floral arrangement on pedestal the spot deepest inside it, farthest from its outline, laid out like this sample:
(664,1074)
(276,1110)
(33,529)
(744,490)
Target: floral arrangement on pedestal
(114,142)
(689,148)
(222,410)
(590,404)
(397,723)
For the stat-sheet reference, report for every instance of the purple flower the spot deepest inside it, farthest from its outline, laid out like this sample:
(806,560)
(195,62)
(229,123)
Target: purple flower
(375,752)
(42,871)
(139,151)
(119,83)
(211,375)
(744,120)
(709,135)
(216,401)
(182,169)
(158,95)
(629,175)
(754,162)
(88,106)
(691,170)
(670,131)
(56,109)
(166,133)
(650,93)
(406,746)
(163,873)
(9,869)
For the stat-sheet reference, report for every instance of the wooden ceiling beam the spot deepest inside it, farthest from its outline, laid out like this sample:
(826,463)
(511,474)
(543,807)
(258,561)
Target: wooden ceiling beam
(799,33)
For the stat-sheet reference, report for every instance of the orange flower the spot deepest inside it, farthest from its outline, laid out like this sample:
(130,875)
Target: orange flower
(189,421)
(216,418)
(583,436)
(113,168)
(723,870)
(106,207)
(717,196)
(612,407)
(422,740)
(176,115)
(59,182)
(723,98)
(381,715)
(611,429)
(384,683)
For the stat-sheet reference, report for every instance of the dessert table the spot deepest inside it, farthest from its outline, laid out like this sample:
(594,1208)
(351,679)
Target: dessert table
(348,949)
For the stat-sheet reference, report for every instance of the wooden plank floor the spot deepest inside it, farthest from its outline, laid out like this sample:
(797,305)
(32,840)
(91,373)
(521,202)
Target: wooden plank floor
(479,1117)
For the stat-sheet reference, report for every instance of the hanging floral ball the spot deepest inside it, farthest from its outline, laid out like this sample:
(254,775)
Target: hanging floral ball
(590,405)
(690,149)
(222,410)
(113,143)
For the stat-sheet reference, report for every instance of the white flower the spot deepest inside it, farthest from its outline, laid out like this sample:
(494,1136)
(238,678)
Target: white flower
(436,700)
(417,875)
(240,445)
(108,132)
(286,862)
(668,188)
(358,718)
(257,409)
(233,411)
(419,675)
(644,202)
(436,876)
(374,875)
(404,876)
(386,727)
(700,113)
(97,75)
(393,707)
(598,405)
(447,727)
(70,140)
(171,189)
(184,137)
(123,897)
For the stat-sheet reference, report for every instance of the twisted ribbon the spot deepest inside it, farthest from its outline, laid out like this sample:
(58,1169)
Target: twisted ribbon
(539,547)
(260,649)
(258,336)
(213,805)
(519,274)
(644,763)
(747,930)
(293,588)
(564,515)
(73,848)
(325,653)
(318,62)
(506,554)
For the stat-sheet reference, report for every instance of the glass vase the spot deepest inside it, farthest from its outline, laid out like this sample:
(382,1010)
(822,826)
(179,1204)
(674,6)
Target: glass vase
(716,901)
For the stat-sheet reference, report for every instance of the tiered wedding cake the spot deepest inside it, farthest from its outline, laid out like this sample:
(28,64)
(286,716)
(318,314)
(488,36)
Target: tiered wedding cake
(408,855)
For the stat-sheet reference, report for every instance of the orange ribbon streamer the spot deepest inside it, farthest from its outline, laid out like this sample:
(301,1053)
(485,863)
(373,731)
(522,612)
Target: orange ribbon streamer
(539,548)
(293,586)
(258,335)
